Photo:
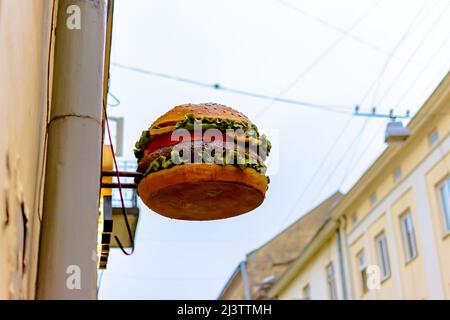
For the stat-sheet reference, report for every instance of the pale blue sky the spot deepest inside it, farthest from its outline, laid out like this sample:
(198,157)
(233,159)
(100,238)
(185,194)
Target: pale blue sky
(262,46)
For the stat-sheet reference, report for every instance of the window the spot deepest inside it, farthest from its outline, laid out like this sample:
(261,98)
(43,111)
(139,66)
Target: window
(331,281)
(307,292)
(444,193)
(362,270)
(433,138)
(409,239)
(116,127)
(354,218)
(373,198)
(397,174)
(383,256)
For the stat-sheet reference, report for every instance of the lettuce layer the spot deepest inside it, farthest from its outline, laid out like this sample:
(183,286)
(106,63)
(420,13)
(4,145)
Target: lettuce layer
(232,157)
(208,123)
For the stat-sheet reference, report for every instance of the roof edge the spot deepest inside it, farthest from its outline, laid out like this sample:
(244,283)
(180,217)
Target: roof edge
(338,192)
(325,232)
(421,118)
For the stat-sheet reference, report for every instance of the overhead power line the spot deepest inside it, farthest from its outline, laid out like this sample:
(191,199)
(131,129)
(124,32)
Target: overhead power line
(372,139)
(357,139)
(316,61)
(341,160)
(216,86)
(422,71)
(364,152)
(318,170)
(350,165)
(420,15)
(388,59)
(416,49)
(342,31)
(340,109)
(156,278)
(412,25)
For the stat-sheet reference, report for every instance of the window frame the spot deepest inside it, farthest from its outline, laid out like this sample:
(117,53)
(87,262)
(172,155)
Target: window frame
(362,270)
(331,281)
(306,292)
(445,204)
(373,198)
(354,218)
(433,138)
(409,256)
(382,249)
(398,174)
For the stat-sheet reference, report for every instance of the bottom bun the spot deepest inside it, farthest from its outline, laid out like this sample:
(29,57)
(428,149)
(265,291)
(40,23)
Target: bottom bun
(203,191)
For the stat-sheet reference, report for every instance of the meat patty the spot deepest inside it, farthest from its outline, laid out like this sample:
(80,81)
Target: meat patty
(195,147)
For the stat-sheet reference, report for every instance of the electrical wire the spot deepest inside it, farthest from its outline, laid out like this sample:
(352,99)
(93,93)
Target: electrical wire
(319,168)
(426,89)
(139,277)
(190,241)
(422,40)
(371,141)
(344,154)
(316,61)
(353,155)
(117,101)
(410,28)
(341,30)
(424,68)
(368,145)
(414,23)
(340,161)
(327,156)
(338,109)
(358,137)
(100,279)
(124,210)
(216,86)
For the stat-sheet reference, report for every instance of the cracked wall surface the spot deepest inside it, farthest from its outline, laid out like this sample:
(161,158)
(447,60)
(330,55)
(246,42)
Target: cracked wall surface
(26,33)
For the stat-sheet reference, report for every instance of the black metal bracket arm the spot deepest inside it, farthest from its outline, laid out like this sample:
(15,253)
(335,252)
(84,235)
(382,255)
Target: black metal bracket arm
(124,174)
(120,186)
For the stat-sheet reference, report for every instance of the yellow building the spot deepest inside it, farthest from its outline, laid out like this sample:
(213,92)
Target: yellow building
(318,272)
(389,236)
(254,277)
(395,223)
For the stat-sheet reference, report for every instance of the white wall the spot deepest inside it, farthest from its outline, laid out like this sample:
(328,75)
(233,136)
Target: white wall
(25,33)
(314,273)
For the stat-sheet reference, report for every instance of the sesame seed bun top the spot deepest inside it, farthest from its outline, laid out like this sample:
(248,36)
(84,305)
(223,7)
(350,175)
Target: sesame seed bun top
(207,110)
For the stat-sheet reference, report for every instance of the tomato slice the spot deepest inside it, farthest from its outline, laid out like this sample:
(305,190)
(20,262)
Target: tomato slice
(165,140)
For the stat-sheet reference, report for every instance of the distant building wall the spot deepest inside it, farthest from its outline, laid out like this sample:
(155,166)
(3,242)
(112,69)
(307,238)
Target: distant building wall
(424,163)
(25,64)
(397,220)
(313,276)
(234,289)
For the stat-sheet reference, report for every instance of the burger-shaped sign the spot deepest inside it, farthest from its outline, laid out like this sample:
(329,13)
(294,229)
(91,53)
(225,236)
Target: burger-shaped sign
(202,162)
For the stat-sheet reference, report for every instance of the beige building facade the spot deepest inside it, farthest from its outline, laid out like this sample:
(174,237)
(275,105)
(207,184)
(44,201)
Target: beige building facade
(389,236)
(394,221)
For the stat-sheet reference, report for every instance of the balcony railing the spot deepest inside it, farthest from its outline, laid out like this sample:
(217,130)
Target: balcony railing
(129,195)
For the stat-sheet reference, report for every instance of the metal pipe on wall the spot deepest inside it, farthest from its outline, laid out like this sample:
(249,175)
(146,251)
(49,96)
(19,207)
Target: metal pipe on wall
(247,293)
(67,257)
(341,263)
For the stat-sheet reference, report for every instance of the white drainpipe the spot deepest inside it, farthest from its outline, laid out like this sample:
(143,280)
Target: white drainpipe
(67,257)
(247,292)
